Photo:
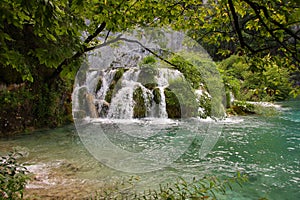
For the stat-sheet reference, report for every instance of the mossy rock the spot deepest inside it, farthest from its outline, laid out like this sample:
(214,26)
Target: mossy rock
(182,98)
(103,110)
(119,74)
(139,109)
(242,108)
(99,85)
(156,95)
(115,85)
(172,104)
(110,92)
(151,86)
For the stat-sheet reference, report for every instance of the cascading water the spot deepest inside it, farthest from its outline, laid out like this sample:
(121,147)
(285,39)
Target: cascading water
(122,101)
(106,81)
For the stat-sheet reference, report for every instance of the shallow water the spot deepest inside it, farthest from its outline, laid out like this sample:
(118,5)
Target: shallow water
(265,148)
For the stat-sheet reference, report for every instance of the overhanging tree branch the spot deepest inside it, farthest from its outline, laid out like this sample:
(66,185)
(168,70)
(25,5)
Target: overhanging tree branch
(237,27)
(256,8)
(79,53)
(119,38)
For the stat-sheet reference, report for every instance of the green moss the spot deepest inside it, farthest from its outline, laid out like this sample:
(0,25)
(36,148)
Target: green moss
(148,60)
(188,69)
(245,108)
(172,104)
(242,108)
(150,86)
(115,85)
(110,92)
(180,96)
(99,85)
(139,109)
(156,95)
(119,74)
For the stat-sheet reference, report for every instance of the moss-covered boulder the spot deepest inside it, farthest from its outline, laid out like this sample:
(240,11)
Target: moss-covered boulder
(115,85)
(180,99)
(172,104)
(156,95)
(139,109)
(242,108)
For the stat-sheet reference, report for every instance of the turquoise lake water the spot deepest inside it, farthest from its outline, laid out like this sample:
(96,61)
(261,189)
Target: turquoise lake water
(267,149)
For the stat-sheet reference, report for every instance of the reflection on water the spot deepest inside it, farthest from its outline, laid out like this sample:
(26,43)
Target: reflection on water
(267,149)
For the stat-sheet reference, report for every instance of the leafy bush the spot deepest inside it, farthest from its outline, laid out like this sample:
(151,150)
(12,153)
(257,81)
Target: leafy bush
(267,81)
(149,60)
(13,177)
(204,188)
(190,71)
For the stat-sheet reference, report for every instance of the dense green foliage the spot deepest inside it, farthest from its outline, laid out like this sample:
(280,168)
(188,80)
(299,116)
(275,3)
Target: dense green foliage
(13,177)
(34,105)
(253,27)
(271,83)
(48,34)
(191,72)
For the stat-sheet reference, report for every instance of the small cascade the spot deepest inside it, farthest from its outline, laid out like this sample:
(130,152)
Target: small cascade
(106,81)
(91,80)
(122,103)
(162,104)
(121,106)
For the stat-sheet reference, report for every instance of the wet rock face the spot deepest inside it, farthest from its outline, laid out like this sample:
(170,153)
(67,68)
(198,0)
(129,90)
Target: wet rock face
(139,110)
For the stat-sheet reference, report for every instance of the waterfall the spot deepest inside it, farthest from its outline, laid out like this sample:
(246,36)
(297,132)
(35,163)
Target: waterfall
(121,93)
(91,80)
(122,103)
(106,81)
(162,105)
(148,99)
